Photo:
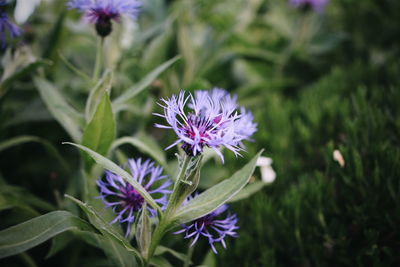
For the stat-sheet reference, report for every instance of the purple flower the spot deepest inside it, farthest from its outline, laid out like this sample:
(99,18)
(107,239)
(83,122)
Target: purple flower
(215,230)
(6,25)
(125,200)
(317,5)
(102,12)
(212,120)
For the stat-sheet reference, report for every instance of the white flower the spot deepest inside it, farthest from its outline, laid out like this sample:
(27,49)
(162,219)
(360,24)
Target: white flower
(268,174)
(337,156)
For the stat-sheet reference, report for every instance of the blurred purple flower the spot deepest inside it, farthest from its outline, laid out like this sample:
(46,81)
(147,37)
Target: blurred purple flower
(317,5)
(215,230)
(125,200)
(102,12)
(6,25)
(213,121)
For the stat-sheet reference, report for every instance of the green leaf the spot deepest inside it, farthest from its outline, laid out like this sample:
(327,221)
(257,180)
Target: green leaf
(100,132)
(209,260)
(68,117)
(146,145)
(28,69)
(143,84)
(104,227)
(217,195)
(143,232)
(160,262)
(111,166)
(54,37)
(58,243)
(28,138)
(157,50)
(29,234)
(117,253)
(248,191)
(14,196)
(161,250)
(74,69)
(96,94)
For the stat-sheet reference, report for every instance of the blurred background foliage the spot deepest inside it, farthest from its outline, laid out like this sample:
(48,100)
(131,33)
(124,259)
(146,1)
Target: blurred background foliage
(315,83)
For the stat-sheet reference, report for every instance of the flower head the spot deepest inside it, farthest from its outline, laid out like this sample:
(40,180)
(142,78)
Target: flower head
(317,5)
(123,197)
(212,228)
(102,12)
(6,25)
(212,120)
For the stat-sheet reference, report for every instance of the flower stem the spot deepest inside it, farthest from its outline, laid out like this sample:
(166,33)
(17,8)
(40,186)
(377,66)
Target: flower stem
(171,207)
(99,59)
(165,222)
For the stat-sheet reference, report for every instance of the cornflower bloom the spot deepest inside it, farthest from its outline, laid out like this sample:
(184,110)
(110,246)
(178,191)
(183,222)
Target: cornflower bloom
(215,230)
(6,25)
(317,5)
(102,12)
(213,120)
(123,198)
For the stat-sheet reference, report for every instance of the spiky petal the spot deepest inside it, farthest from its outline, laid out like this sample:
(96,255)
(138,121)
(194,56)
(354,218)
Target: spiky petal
(102,12)
(210,227)
(123,198)
(212,119)
(7,26)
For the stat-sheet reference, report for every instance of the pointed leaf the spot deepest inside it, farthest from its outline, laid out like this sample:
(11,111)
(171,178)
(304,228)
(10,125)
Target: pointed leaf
(29,234)
(28,69)
(111,166)
(105,228)
(161,250)
(146,145)
(143,232)
(69,118)
(14,196)
(96,94)
(217,195)
(145,82)
(100,132)
(117,253)
(248,191)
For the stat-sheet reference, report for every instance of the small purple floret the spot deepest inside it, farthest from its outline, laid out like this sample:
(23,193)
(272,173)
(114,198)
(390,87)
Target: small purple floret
(215,230)
(123,198)
(317,5)
(5,25)
(212,120)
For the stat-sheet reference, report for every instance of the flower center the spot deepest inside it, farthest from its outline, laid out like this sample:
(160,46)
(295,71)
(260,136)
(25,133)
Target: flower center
(206,220)
(198,127)
(132,198)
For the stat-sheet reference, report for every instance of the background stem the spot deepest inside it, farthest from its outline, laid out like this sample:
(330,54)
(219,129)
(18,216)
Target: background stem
(99,59)
(165,220)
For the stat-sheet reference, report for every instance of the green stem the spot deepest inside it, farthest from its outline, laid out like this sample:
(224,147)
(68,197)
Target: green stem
(189,254)
(164,223)
(172,199)
(99,59)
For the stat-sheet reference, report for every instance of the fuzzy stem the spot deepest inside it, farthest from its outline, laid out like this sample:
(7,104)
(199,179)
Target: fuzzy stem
(171,207)
(164,223)
(99,59)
